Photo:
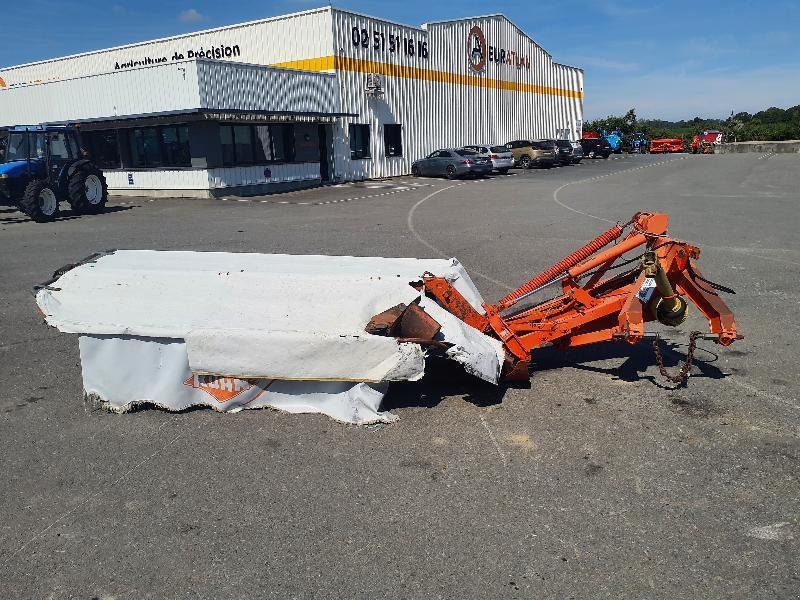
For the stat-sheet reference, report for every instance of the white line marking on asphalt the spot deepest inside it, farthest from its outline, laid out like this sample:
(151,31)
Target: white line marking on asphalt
(748,387)
(412,229)
(776,531)
(494,442)
(733,380)
(597,178)
(98,492)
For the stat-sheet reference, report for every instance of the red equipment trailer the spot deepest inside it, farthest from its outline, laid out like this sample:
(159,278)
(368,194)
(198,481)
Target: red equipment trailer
(665,145)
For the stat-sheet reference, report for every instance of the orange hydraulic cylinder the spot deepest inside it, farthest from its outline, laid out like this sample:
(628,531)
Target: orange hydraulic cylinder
(601,257)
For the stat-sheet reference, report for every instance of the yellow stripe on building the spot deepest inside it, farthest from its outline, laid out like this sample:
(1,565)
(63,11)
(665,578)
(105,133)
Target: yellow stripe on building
(358,65)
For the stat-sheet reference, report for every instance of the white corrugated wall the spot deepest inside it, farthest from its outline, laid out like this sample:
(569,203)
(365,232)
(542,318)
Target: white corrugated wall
(179,86)
(440,101)
(169,87)
(252,87)
(265,42)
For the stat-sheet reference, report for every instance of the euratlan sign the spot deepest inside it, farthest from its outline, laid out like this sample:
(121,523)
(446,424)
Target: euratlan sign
(480,53)
(213,53)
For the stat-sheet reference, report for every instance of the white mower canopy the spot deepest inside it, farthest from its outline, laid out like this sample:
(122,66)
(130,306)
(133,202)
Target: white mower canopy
(235,331)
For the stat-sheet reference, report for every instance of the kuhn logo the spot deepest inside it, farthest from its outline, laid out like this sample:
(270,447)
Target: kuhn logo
(221,389)
(476,49)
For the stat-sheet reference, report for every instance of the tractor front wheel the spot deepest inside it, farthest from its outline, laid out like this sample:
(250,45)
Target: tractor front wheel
(87,190)
(40,202)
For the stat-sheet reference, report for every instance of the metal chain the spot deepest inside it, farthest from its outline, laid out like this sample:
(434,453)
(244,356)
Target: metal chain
(683,373)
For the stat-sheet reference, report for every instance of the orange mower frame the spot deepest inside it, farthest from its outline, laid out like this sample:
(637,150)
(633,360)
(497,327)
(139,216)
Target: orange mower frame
(595,306)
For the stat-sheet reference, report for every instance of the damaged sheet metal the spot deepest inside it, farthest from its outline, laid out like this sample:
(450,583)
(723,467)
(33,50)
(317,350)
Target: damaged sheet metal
(151,321)
(120,372)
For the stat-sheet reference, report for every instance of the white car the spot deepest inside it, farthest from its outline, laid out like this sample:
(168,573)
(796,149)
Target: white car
(501,157)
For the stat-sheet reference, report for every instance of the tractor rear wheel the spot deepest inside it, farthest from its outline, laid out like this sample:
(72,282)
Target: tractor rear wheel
(40,202)
(87,191)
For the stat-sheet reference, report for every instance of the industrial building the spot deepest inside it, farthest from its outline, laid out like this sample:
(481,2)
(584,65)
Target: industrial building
(297,100)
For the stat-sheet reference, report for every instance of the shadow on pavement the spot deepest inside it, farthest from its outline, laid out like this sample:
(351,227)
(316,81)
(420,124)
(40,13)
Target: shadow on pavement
(442,378)
(66,215)
(638,359)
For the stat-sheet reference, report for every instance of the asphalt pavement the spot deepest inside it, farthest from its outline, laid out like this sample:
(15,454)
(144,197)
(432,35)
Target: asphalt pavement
(600,480)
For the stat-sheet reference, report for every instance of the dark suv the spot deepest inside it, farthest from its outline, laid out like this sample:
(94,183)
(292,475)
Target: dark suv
(595,147)
(565,152)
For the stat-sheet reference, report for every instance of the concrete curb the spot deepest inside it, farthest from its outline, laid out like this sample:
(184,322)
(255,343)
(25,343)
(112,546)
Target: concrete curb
(790,146)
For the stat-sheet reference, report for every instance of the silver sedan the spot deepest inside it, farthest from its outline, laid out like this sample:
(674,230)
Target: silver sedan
(452,163)
(501,157)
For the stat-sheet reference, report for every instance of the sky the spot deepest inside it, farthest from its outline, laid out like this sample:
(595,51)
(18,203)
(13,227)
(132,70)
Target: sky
(671,59)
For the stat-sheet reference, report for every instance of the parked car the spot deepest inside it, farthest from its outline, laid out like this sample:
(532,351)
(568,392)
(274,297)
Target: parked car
(595,147)
(577,153)
(529,154)
(452,163)
(501,157)
(564,151)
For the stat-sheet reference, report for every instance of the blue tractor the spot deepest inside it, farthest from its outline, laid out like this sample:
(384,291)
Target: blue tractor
(636,143)
(614,140)
(43,165)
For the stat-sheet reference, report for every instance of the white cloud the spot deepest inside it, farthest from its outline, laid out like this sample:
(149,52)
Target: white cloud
(192,16)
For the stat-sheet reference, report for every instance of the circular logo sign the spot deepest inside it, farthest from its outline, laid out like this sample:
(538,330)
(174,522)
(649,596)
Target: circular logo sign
(2,83)
(476,49)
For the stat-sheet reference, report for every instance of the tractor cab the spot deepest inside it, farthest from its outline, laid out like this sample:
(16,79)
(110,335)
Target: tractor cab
(3,144)
(37,152)
(41,165)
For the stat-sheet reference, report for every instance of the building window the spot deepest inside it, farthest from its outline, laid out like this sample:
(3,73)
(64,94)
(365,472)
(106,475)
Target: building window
(393,140)
(282,142)
(243,144)
(256,144)
(164,146)
(226,140)
(306,142)
(359,141)
(175,146)
(145,147)
(102,147)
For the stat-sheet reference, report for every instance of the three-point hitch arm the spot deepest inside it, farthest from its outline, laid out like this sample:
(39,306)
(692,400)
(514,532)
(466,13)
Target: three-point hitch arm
(595,305)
